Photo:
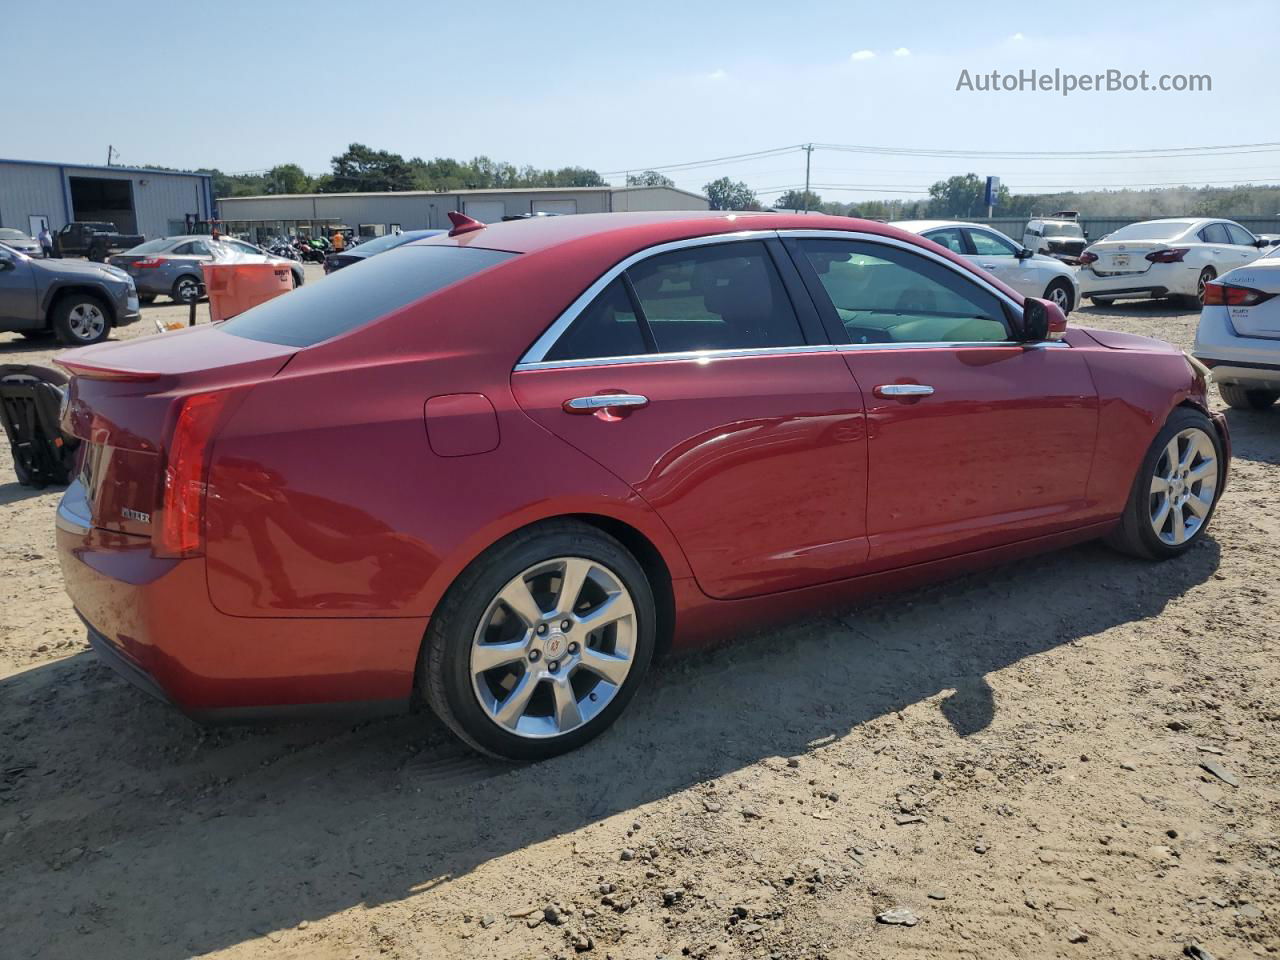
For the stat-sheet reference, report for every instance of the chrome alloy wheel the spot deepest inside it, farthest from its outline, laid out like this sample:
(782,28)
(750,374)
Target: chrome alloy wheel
(86,321)
(1183,486)
(1061,297)
(553,647)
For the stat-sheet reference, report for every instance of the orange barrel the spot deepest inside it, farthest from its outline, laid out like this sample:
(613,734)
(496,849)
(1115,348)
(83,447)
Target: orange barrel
(235,287)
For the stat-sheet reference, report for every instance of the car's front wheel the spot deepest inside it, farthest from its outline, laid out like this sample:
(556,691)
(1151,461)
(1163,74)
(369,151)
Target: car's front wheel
(1059,292)
(1238,398)
(1176,490)
(80,319)
(540,643)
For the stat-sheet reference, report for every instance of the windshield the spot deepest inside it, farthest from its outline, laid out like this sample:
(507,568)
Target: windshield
(351,298)
(378,244)
(1063,230)
(1152,230)
(152,246)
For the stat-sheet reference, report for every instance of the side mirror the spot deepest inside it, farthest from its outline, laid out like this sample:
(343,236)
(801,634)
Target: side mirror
(1263,244)
(1024,253)
(1042,320)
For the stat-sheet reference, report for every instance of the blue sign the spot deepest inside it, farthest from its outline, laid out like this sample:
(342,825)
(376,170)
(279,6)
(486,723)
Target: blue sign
(993,191)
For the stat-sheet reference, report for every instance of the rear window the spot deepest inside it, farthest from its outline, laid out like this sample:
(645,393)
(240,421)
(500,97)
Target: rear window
(349,299)
(152,246)
(1151,230)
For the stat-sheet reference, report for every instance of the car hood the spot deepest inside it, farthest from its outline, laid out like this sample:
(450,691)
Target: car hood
(1113,340)
(80,268)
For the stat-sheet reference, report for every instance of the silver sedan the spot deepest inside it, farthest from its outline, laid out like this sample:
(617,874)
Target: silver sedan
(170,266)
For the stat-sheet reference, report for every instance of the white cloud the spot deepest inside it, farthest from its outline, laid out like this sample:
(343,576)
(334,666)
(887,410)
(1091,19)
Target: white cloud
(902,52)
(1017,36)
(862,55)
(717,75)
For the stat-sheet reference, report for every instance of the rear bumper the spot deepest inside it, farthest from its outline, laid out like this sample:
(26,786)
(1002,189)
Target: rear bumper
(151,620)
(1159,280)
(1252,362)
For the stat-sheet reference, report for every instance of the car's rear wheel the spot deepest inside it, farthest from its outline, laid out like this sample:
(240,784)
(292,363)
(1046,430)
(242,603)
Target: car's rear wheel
(1102,301)
(186,289)
(540,643)
(1059,292)
(1176,490)
(80,319)
(1238,398)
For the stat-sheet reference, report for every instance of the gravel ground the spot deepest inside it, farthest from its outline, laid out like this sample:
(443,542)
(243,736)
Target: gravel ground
(1074,757)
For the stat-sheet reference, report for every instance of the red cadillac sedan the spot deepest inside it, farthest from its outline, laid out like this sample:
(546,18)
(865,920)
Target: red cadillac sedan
(499,472)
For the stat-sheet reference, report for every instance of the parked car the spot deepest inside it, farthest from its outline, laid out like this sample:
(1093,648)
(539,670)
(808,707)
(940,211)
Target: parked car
(170,266)
(1173,257)
(1028,273)
(335,260)
(1239,333)
(94,239)
(17,240)
(1059,235)
(77,302)
(499,471)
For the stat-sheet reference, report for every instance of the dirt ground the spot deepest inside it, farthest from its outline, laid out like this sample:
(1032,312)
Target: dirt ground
(1017,758)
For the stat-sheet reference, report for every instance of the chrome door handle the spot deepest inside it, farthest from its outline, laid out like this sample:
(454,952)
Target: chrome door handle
(903,390)
(988,266)
(605,401)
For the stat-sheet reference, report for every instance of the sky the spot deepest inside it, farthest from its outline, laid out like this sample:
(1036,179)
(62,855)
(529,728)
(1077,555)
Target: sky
(242,86)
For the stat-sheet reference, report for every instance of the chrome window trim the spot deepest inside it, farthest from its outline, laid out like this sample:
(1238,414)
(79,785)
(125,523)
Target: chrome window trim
(533,357)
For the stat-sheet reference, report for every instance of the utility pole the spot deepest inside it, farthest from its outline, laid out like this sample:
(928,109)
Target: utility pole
(110,151)
(808,155)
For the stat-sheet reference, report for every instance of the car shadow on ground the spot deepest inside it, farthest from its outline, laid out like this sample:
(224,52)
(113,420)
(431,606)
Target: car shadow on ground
(1135,308)
(171,839)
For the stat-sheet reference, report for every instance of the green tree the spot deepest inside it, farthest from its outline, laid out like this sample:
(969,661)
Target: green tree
(799,200)
(963,197)
(287,178)
(649,178)
(726,194)
(363,169)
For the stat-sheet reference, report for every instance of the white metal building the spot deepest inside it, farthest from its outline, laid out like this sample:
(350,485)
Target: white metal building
(154,203)
(373,214)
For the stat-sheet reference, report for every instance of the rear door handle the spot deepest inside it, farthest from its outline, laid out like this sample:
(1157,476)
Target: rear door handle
(604,401)
(988,266)
(903,390)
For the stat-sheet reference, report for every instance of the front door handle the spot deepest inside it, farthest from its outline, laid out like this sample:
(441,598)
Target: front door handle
(900,390)
(604,401)
(988,266)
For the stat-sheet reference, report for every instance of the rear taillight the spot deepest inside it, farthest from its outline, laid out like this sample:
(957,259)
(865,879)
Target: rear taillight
(1172,255)
(148,263)
(186,471)
(1088,258)
(1225,295)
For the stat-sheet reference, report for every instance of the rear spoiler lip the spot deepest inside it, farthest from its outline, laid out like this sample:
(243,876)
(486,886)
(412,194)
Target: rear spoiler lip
(90,371)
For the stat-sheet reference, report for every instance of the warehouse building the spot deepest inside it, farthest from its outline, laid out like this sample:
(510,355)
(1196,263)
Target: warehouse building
(374,214)
(154,203)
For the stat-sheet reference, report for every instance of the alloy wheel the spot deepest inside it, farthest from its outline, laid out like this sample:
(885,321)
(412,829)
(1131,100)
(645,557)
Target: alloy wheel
(1205,277)
(1183,486)
(86,321)
(1060,297)
(187,290)
(554,647)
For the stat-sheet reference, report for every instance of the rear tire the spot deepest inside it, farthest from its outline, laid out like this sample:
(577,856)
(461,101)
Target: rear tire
(1197,301)
(1059,292)
(1156,523)
(1238,398)
(80,319)
(474,616)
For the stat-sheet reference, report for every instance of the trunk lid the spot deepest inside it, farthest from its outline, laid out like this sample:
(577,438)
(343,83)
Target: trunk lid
(1118,258)
(123,402)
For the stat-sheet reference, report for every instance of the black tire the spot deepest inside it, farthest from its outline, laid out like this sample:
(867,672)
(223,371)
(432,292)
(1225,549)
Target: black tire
(185,289)
(299,277)
(1134,534)
(1238,398)
(444,667)
(1061,289)
(1102,301)
(67,331)
(146,298)
(1197,301)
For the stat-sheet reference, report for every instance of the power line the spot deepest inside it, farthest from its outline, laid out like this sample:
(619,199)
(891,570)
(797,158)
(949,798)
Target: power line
(1133,153)
(736,158)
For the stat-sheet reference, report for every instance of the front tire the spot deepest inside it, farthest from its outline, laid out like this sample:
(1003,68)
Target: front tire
(80,320)
(1176,489)
(1238,398)
(540,643)
(1059,293)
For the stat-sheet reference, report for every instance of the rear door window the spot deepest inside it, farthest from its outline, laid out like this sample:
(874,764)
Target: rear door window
(949,237)
(1215,233)
(348,299)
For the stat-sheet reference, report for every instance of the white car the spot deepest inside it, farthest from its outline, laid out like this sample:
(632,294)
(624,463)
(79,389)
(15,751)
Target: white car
(1165,258)
(1239,333)
(1031,274)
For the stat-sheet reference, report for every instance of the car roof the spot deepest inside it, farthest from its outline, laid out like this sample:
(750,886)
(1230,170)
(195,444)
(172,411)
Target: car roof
(915,226)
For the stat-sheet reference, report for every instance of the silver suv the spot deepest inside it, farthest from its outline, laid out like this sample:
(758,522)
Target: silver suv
(77,301)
